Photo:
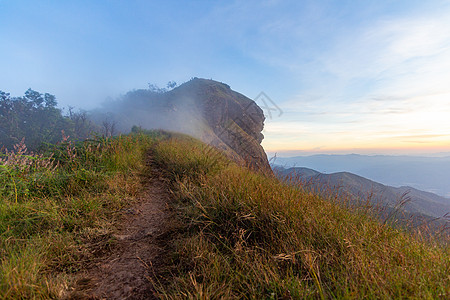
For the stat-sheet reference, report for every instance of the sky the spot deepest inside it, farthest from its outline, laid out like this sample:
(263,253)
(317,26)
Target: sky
(368,77)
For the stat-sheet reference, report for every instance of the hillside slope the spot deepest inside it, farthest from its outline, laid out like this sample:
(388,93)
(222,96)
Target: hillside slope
(423,173)
(234,233)
(362,189)
(249,236)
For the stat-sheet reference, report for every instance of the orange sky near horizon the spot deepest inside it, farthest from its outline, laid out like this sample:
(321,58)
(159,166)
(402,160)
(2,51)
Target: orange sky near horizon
(420,150)
(368,142)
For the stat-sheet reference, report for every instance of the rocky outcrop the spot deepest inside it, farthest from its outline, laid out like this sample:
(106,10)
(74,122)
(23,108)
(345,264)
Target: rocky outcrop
(234,122)
(206,109)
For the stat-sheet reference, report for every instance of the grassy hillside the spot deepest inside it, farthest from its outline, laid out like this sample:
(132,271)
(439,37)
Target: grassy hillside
(242,235)
(250,236)
(403,207)
(55,206)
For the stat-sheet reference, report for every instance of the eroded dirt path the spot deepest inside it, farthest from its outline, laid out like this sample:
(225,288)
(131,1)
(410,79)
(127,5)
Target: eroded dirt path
(129,270)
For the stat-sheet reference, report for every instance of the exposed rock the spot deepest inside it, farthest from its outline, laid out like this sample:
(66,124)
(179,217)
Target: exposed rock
(206,109)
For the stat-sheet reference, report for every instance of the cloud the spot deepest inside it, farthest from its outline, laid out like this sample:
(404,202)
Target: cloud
(380,82)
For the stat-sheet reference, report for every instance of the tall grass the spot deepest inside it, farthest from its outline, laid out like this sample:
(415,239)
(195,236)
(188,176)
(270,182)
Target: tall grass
(246,235)
(251,236)
(53,203)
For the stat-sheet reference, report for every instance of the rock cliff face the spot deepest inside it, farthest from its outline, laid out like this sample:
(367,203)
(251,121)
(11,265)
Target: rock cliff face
(233,121)
(206,109)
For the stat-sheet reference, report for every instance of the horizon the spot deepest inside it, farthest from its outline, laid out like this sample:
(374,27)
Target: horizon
(365,77)
(387,153)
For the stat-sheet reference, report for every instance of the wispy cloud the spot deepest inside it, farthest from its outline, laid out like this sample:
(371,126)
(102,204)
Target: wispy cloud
(380,82)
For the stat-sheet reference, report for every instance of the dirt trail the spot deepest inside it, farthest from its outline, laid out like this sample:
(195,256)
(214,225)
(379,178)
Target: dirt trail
(128,270)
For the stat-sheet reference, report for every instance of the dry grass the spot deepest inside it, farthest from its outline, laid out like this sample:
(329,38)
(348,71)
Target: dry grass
(246,236)
(53,204)
(251,236)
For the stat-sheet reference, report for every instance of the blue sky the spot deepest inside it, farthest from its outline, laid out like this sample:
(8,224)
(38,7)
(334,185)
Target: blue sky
(350,76)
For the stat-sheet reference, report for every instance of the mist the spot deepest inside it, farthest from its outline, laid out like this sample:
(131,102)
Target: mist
(424,173)
(152,108)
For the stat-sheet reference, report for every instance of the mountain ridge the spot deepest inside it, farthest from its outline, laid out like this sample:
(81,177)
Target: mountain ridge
(361,188)
(424,173)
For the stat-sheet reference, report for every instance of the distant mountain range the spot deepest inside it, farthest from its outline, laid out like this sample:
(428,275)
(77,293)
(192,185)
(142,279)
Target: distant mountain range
(346,185)
(431,174)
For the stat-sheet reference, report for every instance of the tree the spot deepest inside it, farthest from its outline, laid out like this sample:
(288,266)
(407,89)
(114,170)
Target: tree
(34,97)
(156,89)
(36,118)
(109,127)
(50,101)
(171,85)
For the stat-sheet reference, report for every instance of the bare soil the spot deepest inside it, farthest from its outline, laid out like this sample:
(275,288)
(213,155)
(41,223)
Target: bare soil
(129,268)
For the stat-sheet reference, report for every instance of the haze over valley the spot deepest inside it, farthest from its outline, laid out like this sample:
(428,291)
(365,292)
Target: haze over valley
(360,191)
(429,174)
